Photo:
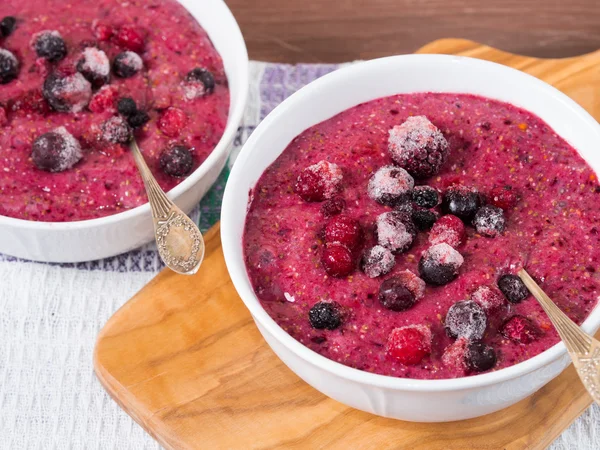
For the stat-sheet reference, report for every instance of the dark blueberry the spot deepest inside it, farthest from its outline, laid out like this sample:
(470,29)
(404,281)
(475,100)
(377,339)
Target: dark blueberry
(461,202)
(50,45)
(138,119)
(395,296)
(127,64)
(424,218)
(176,161)
(94,66)
(489,221)
(9,66)
(513,288)
(7,26)
(465,319)
(69,93)
(126,106)
(425,196)
(201,75)
(479,356)
(55,151)
(325,315)
(439,265)
(390,186)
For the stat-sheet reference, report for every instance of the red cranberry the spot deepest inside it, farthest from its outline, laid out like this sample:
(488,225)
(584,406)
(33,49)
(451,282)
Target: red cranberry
(490,299)
(448,229)
(172,121)
(129,37)
(103,32)
(520,329)
(319,182)
(345,230)
(103,100)
(337,260)
(503,197)
(410,344)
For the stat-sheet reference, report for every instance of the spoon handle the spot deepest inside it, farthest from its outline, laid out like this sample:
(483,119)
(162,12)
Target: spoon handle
(179,241)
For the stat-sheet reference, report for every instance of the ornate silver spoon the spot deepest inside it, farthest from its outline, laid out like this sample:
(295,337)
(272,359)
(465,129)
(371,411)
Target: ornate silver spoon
(180,243)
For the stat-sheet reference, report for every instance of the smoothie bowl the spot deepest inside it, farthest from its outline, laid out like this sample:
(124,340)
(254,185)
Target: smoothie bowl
(75,83)
(374,222)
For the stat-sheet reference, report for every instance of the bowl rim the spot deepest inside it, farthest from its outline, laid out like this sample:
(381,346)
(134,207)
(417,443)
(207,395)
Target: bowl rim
(237,271)
(233,120)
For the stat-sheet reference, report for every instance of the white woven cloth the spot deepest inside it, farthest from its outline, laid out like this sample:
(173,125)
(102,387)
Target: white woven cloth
(50,316)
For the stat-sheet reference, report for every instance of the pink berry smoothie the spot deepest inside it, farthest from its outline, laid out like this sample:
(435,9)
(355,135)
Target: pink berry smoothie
(536,207)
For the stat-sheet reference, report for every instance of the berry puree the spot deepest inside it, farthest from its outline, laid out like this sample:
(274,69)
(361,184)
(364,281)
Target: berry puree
(388,238)
(77,79)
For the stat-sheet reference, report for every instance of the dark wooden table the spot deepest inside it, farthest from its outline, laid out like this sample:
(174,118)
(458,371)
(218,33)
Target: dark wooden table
(344,30)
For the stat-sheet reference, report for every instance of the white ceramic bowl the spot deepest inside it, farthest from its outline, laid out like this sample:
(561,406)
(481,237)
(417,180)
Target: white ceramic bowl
(406,399)
(108,236)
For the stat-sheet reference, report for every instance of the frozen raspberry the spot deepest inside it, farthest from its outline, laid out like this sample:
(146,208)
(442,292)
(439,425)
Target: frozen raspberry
(454,356)
(520,329)
(325,315)
(333,206)
(67,94)
(395,231)
(503,197)
(513,288)
(395,296)
(198,83)
(102,31)
(127,64)
(418,146)
(412,282)
(377,261)
(489,221)
(424,219)
(319,182)
(425,196)
(49,44)
(138,119)
(130,38)
(31,102)
(390,186)
(172,121)
(462,202)
(449,229)
(116,131)
(490,299)
(345,230)
(479,356)
(103,100)
(126,106)
(7,26)
(439,264)
(337,260)
(9,66)
(409,344)
(94,66)
(466,319)
(176,161)
(3,116)
(56,151)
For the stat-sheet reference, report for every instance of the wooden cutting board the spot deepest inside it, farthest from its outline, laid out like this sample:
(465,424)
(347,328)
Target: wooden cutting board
(184,358)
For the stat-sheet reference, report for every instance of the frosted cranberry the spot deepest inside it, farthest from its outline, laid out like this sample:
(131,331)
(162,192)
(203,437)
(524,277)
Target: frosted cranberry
(454,356)
(319,182)
(333,207)
(466,319)
(479,356)
(325,315)
(172,121)
(176,161)
(377,261)
(345,230)
(9,66)
(503,197)
(395,231)
(490,299)
(489,221)
(462,202)
(513,288)
(390,186)
(103,100)
(439,265)
(127,64)
(395,295)
(337,260)
(412,282)
(49,44)
(70,93)
(30,102)
(409,344)
(55,151)
(94,66)
(131,38)
(448,229)
(520,329)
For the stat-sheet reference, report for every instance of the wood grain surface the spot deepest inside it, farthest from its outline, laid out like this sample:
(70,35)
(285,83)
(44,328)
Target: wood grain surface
(338,31)
(185,360)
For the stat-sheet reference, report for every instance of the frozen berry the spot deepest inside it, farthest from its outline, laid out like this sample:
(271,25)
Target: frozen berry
(449,229)
(116,131)
(395,231)
(503,197)
(337,260)
(7,26)
(333,206)
(454,356)
(94,66)
(462,202)
(172,121)
(439,265)
(489,221)
(465,319)
(425,196)
(198,83)
(176,161)
(424,218)
(55,151)
(103,100)
(345,230)
(513,288)
(319,182)
(126,106)
(325,315)
(67,94)
(395,296)
(479,356)
(9,66)
(418,146)
(377,261)
(412,282)
(409,344)
(520,329)
(102,32)
(127,64)
(30,102)
(130,38)
(49,44)
(490,299)
(138,119)
(390,186)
